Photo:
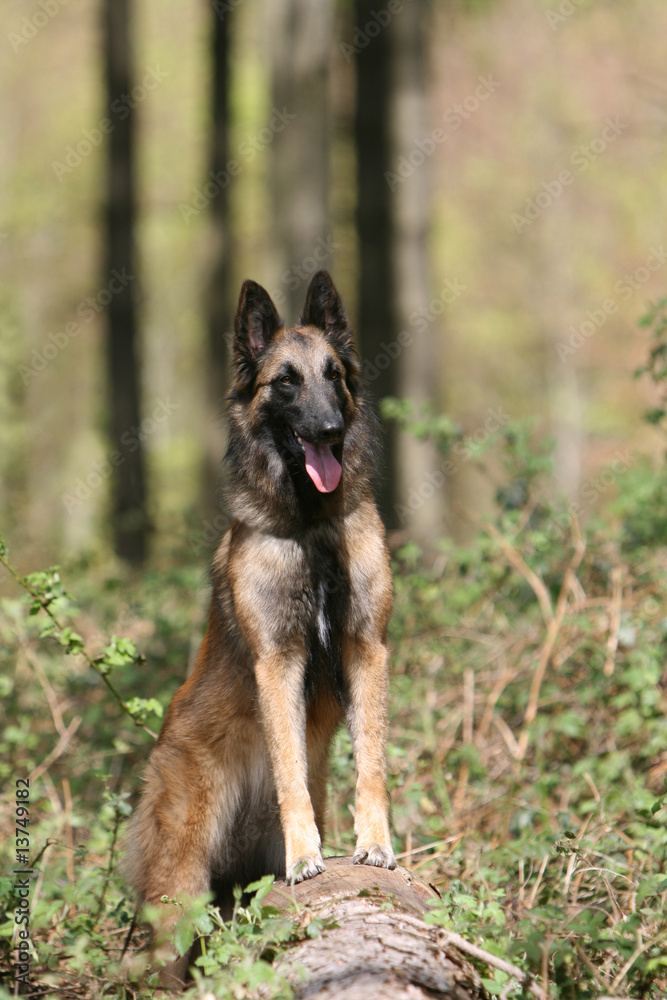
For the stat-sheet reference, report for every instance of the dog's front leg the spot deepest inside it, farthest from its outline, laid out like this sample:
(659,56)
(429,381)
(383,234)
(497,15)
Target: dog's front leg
(280,677)
(367,683)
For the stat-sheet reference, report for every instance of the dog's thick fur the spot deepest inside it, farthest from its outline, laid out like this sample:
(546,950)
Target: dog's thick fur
(235,787)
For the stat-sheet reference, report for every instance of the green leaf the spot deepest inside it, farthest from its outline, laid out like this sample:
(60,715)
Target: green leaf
(142,708)
(118,653)
(654,415)
(184,936)
(70,639)
(654,885)
(261,888)
(208,964)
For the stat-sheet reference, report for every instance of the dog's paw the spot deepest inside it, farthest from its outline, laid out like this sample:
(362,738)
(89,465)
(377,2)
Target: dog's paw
(305,867)
(380,855)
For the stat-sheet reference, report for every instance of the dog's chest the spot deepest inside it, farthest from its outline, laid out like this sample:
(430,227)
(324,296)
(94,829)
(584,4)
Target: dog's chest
(323,620)
(327,613)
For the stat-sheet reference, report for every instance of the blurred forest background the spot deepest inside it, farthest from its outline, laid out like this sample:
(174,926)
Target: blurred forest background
(414,150)
(486,181)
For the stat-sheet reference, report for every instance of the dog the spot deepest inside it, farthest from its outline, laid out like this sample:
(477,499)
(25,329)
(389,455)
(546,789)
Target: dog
(296,640)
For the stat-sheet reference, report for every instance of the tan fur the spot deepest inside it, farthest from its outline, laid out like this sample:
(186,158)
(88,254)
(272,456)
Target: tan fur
(236,785)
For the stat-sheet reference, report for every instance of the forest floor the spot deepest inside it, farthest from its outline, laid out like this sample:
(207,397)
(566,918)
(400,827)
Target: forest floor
(527,754)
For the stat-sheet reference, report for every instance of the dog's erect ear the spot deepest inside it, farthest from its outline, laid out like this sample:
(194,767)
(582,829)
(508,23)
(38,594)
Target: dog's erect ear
(256,322)
(325,310)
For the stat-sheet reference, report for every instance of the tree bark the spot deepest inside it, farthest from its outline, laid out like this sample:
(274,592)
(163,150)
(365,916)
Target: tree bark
(379,945)
(300,42)
(376,310)
(219,301)
(128,483)
(418,363)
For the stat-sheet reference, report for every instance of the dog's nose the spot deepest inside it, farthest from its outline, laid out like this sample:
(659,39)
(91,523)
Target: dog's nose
(330,431)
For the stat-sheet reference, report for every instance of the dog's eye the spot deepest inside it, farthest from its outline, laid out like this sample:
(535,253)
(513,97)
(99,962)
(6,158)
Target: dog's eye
(334,375)
(286,379)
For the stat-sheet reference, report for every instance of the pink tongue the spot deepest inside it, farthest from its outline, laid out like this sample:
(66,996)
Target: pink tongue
(322,467)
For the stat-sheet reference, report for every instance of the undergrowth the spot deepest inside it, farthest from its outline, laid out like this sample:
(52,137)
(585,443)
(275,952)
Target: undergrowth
(527,757)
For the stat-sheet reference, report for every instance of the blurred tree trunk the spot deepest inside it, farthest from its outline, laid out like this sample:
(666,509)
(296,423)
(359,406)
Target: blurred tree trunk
(392,222)
(299,125)
(128,483)
(378,325)
(219,302)
(419,480)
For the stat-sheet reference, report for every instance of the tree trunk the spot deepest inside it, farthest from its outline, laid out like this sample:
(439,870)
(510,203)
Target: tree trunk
(376,311)
(379,946)
(219,302)
(299,125)
(418,363)
(128,485)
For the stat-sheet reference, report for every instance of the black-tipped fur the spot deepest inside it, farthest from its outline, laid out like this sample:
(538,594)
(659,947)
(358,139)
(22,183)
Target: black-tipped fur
(324,309)
(256,322)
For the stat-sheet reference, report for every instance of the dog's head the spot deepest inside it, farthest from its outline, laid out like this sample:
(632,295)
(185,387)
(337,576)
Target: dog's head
(299,383)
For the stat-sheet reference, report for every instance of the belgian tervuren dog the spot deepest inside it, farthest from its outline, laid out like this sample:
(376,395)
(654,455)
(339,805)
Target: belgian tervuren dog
(235,787)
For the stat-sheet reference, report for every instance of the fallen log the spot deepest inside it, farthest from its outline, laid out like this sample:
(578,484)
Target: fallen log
(376,945)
